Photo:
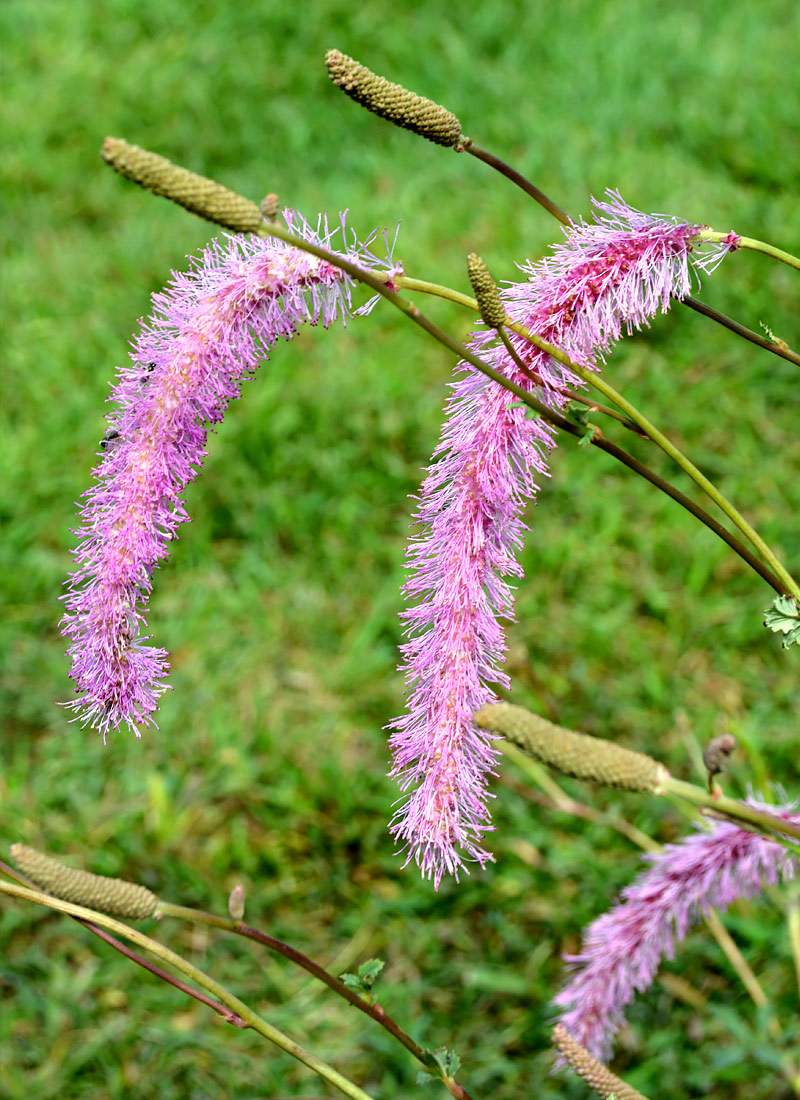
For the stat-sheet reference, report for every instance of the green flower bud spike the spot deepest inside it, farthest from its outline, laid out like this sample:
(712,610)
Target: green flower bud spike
(486,292)
(201,196)
(110,895)
(575,754)
(597,1076)
(392,101)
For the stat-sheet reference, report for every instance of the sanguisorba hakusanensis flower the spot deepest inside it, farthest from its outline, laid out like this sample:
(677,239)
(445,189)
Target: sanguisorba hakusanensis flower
(621,950)
(608,277)
(206,334)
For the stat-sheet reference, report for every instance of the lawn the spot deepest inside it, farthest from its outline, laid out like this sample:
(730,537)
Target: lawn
(280,603)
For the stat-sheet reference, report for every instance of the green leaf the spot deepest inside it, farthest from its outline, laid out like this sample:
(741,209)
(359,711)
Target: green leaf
(363,982)
(784,618)
(446,1061)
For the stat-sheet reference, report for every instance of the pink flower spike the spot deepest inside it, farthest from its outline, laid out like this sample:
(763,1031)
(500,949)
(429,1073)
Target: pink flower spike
(206,334)
(607,278)
(622,949)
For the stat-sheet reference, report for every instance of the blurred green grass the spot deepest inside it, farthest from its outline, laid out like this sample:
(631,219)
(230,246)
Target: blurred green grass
(280,604)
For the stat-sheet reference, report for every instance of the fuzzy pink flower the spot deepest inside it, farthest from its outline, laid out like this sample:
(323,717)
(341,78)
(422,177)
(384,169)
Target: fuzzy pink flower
(622,950)
(206,335)
(607,278)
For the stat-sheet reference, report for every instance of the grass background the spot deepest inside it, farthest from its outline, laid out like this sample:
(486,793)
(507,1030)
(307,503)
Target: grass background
(280,604)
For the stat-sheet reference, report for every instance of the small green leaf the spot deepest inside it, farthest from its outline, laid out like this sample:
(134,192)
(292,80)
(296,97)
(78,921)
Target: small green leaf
(784,618)
(363,982)
(447,1062)
(577,413)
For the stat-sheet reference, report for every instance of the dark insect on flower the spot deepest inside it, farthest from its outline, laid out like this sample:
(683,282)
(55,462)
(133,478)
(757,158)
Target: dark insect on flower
(110,439)
(147,370)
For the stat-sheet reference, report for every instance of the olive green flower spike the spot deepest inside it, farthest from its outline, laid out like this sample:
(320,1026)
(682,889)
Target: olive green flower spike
(486,292)
(576,754)
(600,1079)
(201,196)
(392,101)
(109,895)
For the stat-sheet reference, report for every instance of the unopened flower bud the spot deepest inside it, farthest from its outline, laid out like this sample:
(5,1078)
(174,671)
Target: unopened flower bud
(597,1076)
(196,193)
(236,902)
(109,895)
(270,205)
(486,292)
(717,753)
(575,754)
(392,101)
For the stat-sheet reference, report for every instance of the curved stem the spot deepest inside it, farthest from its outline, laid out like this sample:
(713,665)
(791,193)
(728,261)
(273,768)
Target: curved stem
(777,347)
(251,1019)
(556,419)
(557,799)
(754,246)
(371,1009)
(548,204)
(511,173)
(646,426)
(729,808)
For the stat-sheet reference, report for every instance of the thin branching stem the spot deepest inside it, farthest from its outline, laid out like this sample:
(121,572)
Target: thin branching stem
(781,581)
(777,348)
(250,1018)
(754,246)
(370,1008)
(556,798)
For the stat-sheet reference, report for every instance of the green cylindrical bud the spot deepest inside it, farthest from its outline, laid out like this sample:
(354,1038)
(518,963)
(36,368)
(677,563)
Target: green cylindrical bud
(597,1076)
(202,196)
(109,895)
(236,902)
(392,101)
(486,292)
(575,754)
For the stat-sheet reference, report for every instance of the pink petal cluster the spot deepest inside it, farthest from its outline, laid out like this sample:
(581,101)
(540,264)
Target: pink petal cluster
(207,332)
(622,950)
(608,277)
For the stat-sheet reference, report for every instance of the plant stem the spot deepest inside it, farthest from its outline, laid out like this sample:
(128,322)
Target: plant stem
(776,347)
(693,303)
(784,581)
(558,799)
(373,1010)
(250,1018)
(754,246)
(511,173)
(730,808)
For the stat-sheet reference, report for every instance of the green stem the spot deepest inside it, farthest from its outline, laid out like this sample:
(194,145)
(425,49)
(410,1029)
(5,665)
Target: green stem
(511,173)
(785,582)
(559,800)
(371,1009)
(777,347)
(677,456)
(693,303)
(754,246)
(789,585)
(250,1018)
(729,807)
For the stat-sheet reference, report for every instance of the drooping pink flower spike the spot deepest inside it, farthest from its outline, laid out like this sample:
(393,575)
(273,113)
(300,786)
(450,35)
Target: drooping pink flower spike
(206,334)
(608,277)
(622,950)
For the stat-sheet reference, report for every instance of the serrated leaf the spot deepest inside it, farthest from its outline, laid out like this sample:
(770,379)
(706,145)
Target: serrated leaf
(784,618)
(363,982)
